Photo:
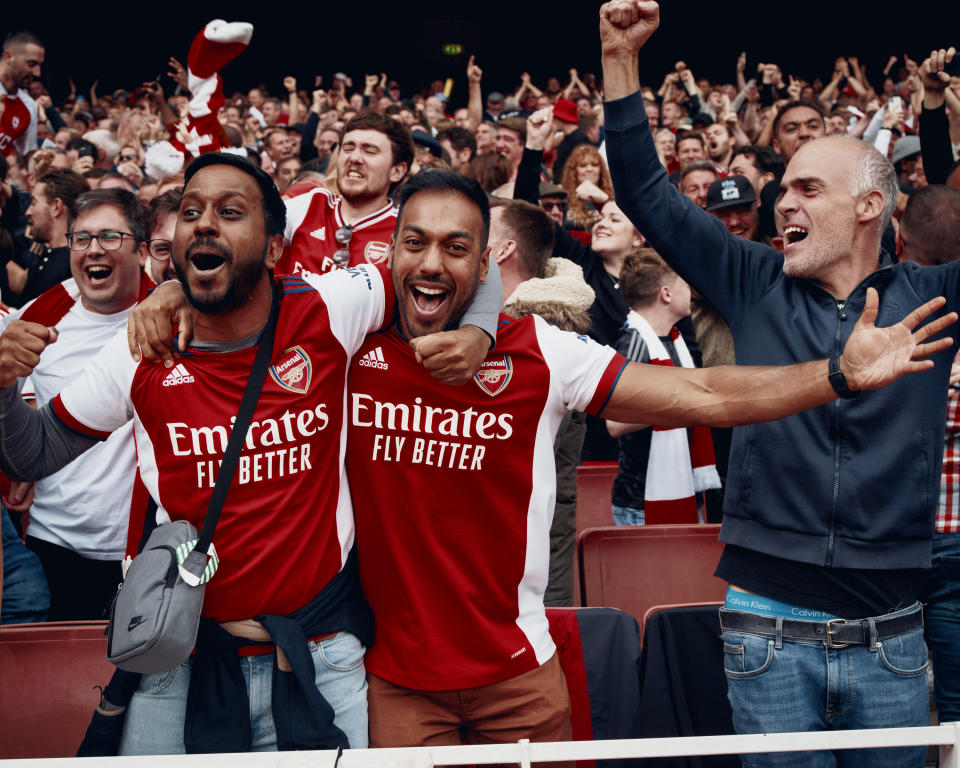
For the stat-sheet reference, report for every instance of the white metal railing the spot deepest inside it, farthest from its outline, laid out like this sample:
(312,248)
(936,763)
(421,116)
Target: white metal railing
(946,737)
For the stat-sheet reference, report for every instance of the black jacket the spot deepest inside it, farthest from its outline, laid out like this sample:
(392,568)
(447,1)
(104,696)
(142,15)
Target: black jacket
(851,484)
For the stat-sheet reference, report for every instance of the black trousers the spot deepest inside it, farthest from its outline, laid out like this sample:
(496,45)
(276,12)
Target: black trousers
(80,588)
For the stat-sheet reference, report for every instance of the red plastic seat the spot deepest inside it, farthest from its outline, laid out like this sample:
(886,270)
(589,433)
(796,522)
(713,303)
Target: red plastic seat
(594,507)
(48,674)
(594,486)
(636,567)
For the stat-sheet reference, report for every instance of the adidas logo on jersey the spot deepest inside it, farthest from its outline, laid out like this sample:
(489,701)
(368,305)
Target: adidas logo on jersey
(374,359)
(177,376)
(320,234)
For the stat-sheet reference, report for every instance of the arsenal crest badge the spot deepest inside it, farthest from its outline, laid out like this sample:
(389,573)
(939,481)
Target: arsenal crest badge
(376,251)
(292,371)
(494,375)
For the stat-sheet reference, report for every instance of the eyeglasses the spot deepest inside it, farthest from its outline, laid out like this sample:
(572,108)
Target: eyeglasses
(548,205)
(341,256)
(127,158)
(109,239)
(160,249)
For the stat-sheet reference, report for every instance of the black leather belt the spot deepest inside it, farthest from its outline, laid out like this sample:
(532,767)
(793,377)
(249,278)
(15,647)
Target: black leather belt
(836,633)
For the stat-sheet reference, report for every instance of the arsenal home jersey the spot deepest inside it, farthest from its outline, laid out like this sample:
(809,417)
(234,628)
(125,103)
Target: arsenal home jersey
(454,492)
(18,123)
(287,525)
(313,219)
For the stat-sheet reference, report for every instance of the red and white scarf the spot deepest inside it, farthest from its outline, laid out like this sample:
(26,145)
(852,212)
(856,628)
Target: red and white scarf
(214,46)
(678,468)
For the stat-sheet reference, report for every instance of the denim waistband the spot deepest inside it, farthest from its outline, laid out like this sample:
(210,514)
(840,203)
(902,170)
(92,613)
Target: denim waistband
(766,606)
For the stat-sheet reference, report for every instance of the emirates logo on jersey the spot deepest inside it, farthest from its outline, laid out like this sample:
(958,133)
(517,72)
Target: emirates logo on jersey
(376,251)
(494,375)
(293,371)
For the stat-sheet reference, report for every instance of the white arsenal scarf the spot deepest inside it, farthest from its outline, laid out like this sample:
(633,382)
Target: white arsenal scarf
(677,468)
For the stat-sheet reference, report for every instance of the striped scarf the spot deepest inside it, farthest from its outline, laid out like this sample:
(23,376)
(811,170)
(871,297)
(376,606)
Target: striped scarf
(678,468)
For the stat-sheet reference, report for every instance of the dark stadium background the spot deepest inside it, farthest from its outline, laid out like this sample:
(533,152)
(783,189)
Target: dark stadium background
(125,43)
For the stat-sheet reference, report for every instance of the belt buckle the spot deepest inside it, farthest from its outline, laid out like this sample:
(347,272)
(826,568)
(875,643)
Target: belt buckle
(830,642)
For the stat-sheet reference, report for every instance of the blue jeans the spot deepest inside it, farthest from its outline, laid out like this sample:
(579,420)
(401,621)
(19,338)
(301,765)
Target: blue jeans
(154,720)
(26,596)
(810,687)
(627,516)
(942,621)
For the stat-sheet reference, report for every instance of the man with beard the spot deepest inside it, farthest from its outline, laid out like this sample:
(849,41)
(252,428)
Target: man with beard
(720,145)
(285,534)
(461,145)
(19,66)
(326,231)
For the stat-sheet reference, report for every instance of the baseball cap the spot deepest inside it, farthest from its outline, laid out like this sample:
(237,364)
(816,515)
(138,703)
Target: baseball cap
(905,147)
(549,189)
(730,192)
(423,139)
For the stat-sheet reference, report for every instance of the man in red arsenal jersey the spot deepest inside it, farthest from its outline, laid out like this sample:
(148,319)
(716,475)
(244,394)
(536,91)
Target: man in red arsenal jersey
(19,66)
(456,571)
(285,536)
(326,231)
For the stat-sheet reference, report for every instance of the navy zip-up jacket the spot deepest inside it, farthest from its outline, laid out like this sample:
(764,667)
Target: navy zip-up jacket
(851,484)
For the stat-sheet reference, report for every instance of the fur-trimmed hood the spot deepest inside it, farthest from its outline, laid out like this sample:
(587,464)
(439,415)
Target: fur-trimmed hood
(561,297)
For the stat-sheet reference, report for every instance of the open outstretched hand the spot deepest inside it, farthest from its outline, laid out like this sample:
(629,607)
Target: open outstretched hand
(875,357)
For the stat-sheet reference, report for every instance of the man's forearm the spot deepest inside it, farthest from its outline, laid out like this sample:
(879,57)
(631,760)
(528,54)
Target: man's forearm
(474,106)
(34,443)
(621,76)
(721,396)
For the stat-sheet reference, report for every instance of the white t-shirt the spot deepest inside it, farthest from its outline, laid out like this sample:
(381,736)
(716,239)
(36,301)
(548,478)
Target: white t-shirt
(85,506)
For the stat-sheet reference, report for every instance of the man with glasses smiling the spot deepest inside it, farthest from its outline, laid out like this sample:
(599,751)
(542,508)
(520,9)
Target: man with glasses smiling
(78,518)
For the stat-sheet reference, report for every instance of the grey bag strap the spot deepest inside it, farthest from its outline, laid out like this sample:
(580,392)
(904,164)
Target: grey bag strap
(196,561)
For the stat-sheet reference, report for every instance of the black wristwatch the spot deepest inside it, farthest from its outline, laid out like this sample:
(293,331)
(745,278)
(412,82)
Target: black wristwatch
(838,381)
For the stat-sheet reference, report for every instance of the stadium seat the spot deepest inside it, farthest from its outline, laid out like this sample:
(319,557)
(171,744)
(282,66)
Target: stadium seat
(636,567)
(49,674)
(594,484)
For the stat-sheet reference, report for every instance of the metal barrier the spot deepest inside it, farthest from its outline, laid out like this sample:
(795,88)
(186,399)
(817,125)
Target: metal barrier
(525,753)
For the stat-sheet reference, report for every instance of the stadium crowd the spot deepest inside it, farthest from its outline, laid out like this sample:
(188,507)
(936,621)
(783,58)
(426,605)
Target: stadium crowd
(671,219)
